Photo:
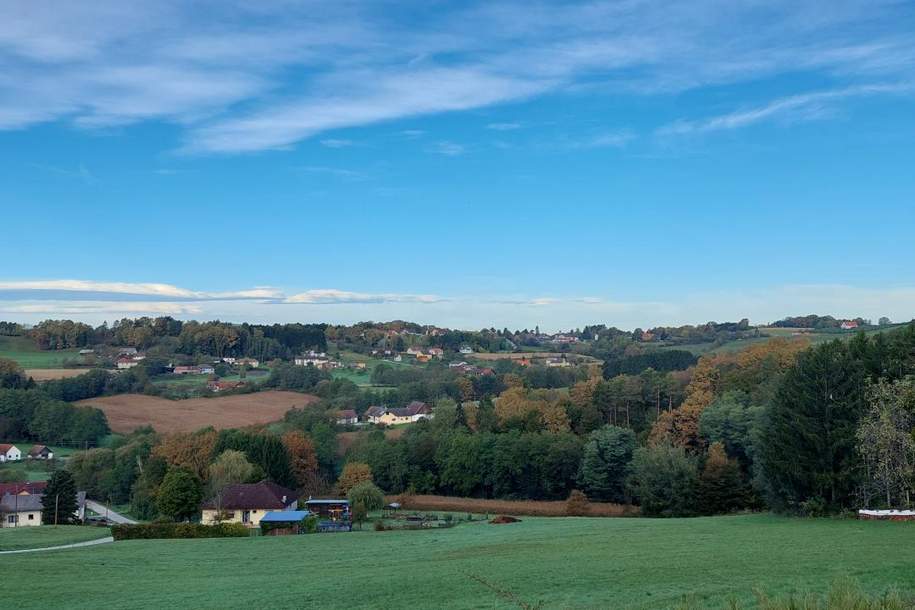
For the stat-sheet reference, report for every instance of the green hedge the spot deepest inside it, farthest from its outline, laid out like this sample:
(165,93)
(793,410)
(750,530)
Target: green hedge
(147,531)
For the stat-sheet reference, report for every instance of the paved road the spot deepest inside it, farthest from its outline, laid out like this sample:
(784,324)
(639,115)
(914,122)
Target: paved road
(63,546)
(103,510)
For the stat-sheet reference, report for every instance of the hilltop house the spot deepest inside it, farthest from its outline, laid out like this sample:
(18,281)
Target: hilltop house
(413,412)
(9,453)
(247,503)
(849,325)
(40,452)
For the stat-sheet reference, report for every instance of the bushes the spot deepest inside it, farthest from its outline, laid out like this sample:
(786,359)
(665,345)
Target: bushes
(158,530)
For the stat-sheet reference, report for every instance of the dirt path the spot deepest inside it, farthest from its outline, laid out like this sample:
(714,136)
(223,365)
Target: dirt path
(105,540)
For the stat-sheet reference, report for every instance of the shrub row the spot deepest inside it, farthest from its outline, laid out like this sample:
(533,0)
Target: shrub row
(147,531)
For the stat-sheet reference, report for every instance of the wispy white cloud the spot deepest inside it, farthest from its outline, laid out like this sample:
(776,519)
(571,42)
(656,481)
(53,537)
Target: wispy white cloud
(804,107)
(337,172)
(325,296)
(80,309)
(503,126)
(449,149)
(91,287)
(258,76)
(336,143)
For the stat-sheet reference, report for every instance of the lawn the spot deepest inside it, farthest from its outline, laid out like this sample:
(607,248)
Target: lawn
(25,470)
(561,562)
(15,538)
(23,351)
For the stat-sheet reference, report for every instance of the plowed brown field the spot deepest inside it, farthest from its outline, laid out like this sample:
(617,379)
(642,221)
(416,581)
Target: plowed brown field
(127,412)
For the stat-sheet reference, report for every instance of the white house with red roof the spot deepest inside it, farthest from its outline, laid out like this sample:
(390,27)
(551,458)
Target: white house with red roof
(9,453)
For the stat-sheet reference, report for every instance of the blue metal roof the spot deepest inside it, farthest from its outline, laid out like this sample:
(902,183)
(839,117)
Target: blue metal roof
(285,516)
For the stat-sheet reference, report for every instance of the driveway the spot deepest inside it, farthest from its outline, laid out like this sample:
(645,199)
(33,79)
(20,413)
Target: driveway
(104,511)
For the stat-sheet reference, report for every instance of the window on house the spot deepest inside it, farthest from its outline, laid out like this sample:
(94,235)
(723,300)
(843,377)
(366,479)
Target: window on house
(11,519)
(31,517)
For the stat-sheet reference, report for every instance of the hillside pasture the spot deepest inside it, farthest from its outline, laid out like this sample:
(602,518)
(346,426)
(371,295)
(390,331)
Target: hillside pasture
(539,562)
(126,412)
(536,355)
(24,351)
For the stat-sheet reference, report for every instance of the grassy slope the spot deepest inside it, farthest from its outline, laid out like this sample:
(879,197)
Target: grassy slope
(12,539)
(23,351)
(566,563)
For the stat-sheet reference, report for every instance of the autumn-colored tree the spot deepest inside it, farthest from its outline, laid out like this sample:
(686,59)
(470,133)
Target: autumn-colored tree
(353,474)
(577,504)
(465,385)
(680,427)
(554,418)
(582,393)
(511,380)
(191,451)
(303,460)
(721,487)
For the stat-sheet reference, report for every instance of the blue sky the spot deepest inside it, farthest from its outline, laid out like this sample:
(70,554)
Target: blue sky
(507,164)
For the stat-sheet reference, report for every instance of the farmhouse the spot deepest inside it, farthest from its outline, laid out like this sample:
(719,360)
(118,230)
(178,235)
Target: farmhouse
(20,510)
(23,487)
(347,417)
(413,412)
(373,414)
(414,351)
(436,352)
(849,325)
(250,362)
(557,362)
(202,369)
(126,362)
(247,503)
(9,453)
(40,452)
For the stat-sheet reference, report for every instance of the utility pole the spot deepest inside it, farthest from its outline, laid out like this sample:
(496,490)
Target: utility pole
(56,498)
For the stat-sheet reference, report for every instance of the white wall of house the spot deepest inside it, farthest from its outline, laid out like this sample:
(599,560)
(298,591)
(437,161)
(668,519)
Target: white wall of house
(27,518)
(12,455)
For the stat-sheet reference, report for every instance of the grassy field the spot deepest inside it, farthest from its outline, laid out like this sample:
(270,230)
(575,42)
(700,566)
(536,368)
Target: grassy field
(15,538)
(23,351)
(559,563)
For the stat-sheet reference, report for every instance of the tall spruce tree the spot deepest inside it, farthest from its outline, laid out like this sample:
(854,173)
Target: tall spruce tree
(59,503)
(808,438)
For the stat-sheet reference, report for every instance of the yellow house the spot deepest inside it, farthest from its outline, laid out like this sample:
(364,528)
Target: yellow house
(20,510)
(247,503)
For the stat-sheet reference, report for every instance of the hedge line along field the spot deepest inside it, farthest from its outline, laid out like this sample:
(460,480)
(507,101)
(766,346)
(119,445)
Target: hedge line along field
(126,412)
(556,562)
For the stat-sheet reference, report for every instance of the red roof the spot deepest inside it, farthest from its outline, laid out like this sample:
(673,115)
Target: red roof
(4,447)
(30,487)
(246,496)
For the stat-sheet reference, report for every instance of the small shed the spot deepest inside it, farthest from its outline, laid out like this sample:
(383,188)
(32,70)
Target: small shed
(284,522)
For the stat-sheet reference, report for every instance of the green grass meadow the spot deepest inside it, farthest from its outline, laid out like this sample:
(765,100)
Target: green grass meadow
(558,563)
(23,351)
(16,538)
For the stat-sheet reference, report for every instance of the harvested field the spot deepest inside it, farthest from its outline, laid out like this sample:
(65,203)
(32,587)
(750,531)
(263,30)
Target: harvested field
(509,507)
(50,374)
(127,412)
